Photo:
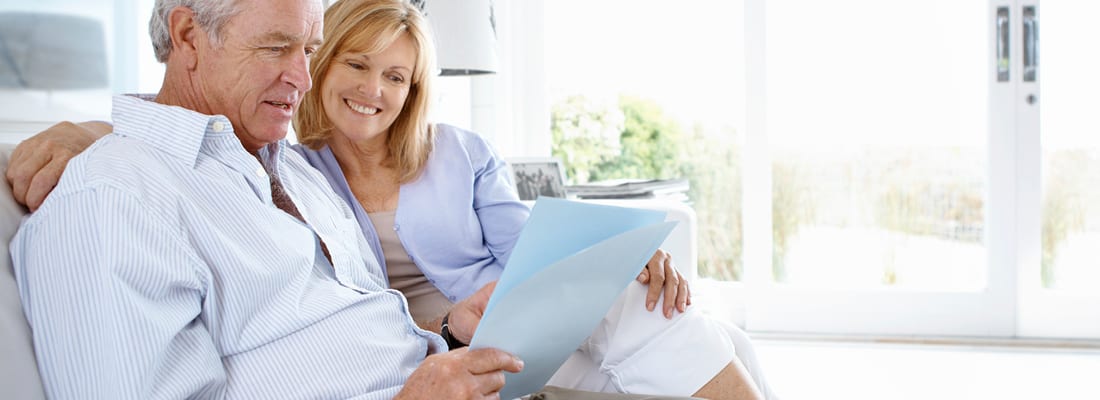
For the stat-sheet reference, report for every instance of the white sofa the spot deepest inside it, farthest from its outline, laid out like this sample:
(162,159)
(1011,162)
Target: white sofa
(18,370)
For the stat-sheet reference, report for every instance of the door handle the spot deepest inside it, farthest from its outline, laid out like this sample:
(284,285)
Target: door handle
(1031,44)
(1003,44)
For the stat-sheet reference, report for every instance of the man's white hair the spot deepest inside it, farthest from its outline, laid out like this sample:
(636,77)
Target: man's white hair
(211,15)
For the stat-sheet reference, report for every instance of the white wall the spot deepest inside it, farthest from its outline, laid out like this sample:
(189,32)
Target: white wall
(509,107)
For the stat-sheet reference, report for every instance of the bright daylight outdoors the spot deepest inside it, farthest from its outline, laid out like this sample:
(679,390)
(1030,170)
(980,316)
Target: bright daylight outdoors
(878,142)
(1071,149)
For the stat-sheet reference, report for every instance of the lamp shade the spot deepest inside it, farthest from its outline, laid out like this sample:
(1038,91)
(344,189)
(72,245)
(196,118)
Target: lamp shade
(51,51)
(465,35)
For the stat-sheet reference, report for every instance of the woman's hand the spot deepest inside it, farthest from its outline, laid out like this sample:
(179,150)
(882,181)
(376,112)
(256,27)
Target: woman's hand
(660,275)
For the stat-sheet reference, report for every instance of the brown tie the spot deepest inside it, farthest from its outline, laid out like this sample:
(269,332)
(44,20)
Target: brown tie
(282,200)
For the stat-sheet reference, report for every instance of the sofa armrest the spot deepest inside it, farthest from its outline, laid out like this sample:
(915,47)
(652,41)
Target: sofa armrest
(18,369)
(682,242)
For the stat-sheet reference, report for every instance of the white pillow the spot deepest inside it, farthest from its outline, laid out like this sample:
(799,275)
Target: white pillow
(18,370)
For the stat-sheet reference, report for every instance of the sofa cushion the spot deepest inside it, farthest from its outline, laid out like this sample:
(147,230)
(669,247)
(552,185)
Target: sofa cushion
(18,370)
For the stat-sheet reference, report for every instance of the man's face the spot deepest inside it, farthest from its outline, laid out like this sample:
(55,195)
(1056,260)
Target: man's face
(258,75)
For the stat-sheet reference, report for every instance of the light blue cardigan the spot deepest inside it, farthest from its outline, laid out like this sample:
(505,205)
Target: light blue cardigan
(458,221)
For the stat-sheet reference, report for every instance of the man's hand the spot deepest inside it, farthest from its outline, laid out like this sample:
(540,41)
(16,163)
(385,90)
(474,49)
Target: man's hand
(37,163)
(460,374)
(660,275)
(467,313)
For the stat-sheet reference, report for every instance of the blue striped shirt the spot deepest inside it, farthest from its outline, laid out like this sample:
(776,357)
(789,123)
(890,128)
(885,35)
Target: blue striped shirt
(160,268)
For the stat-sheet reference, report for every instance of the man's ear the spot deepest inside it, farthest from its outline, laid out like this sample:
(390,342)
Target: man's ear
(185,34)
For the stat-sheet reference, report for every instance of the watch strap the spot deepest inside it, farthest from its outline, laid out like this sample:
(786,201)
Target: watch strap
(445,331)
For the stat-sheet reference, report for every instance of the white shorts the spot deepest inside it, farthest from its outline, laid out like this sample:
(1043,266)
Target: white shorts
(634,350)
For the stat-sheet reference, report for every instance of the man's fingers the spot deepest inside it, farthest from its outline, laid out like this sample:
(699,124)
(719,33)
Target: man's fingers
(487,360)
(489,384)
(488,366)
(643,277)
(460,374)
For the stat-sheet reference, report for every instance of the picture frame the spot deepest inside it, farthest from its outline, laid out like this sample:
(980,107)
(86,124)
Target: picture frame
(537,176)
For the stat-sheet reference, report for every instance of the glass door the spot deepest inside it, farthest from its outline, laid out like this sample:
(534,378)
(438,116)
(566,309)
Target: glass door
(1060,276)
(885,131)
(898,170)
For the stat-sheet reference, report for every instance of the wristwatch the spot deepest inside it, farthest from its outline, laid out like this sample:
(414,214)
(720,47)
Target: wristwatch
(445,331)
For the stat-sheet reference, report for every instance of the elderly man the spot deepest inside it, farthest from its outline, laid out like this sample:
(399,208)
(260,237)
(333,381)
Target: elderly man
(187,269)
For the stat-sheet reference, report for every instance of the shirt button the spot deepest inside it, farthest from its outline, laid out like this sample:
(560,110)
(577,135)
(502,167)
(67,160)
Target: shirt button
(396,227)
(260,172)
(219,126)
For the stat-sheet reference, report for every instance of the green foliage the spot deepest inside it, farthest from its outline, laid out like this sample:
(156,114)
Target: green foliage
(585,134)
(1064,206)
(636,139)
(792,207)
(712,163)
(903,191)
(921,192)
(650,142)
(632,140)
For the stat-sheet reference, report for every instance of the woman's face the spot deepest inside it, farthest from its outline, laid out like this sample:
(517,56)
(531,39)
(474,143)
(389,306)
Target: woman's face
(363,94)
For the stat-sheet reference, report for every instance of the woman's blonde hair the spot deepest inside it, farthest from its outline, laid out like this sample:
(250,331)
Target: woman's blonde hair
(369,27)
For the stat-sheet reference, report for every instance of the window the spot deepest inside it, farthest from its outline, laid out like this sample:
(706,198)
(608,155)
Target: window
(650,98)
(893,167)
(1061,274)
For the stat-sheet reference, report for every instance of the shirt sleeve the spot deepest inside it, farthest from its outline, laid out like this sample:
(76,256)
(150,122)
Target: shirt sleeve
(497,204)
(114,296)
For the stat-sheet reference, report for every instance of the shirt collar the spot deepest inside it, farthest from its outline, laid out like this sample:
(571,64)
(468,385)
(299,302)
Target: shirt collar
(174,130)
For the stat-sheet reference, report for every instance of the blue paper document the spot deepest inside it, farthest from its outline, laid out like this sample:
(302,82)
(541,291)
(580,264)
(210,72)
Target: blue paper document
(571,262)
